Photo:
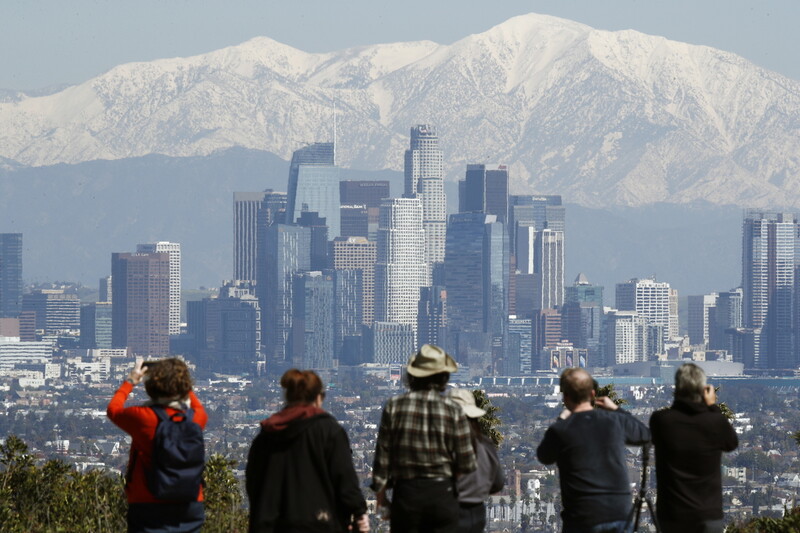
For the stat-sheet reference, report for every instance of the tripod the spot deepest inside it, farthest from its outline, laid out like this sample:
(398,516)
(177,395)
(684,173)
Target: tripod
(636,510)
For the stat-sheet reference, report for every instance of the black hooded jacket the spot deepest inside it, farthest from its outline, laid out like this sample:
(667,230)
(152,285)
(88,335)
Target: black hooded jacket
(689,438)
(300,477)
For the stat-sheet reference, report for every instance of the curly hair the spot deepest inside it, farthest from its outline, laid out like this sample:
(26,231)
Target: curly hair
(169,378)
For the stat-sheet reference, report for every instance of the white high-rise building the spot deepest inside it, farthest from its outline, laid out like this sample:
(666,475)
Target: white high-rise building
(174,251)
(423,180)
(654,301)
(401,268)
(626,337)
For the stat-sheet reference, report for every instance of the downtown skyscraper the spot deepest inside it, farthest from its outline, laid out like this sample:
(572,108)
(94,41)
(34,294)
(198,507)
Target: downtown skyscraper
(140,309)
(10,275)
(314,185)
(173,249)
(769,283)
(423,180)
(401,269)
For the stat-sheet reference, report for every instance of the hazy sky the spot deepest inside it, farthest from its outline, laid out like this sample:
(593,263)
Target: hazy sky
(51,42)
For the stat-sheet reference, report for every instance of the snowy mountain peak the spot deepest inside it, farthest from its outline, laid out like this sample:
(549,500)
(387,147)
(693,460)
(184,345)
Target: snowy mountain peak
(600,117)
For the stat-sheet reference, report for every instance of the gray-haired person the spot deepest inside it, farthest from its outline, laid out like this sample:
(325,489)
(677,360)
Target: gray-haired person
(424,442)
(689,438)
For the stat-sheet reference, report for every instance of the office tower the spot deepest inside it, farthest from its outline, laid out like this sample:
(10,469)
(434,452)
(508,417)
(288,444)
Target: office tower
(287,252)
(253,212)
(650,299)
(519,358)
(55,311)
(140,309)
(401,269)
(525,288)
(582,317)
(725,315)
(361,202)
(539,211)
(545,331)
(769,243)
(347,310)
(96,325)
(311,342)
(423,179)
(549,269)
(314,185)
(27,326)
(355,221)
(319,238)
(485,190)
(226,329)
(432,316)
(625,334)
(477,279)
(10,275)
(699,316)
(105,294)
(358,253)
(363,192)
(392,342)
(173,249)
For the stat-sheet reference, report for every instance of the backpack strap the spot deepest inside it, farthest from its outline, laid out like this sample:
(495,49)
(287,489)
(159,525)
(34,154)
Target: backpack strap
(161,413)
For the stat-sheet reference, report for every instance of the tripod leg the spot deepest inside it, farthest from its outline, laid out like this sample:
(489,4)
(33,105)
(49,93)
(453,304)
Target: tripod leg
(652,511)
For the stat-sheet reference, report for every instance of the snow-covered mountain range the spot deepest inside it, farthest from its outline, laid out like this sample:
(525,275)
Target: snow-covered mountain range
(603,118)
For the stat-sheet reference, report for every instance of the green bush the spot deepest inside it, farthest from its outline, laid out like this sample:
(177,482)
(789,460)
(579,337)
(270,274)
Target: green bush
(55,497)
(790,523)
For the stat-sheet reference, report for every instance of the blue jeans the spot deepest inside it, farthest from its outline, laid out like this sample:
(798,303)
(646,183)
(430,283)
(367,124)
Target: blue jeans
(618,526)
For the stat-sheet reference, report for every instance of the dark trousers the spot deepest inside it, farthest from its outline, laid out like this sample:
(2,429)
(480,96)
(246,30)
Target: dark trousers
(166,517)
(424,506)
(471,517)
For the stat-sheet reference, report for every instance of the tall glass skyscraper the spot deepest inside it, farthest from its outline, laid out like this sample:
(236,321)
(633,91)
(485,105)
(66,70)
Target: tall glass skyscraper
(288,251)
(423,180)
(485,190)
(476,274)
(769,256)
(312,340)
(314,185)
(10,275)
(401,269)
(253,212)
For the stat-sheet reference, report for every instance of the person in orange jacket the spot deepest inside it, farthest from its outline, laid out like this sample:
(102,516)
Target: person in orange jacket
(168,383)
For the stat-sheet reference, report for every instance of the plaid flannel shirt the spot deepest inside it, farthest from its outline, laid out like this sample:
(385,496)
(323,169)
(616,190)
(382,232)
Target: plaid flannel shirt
(422,435)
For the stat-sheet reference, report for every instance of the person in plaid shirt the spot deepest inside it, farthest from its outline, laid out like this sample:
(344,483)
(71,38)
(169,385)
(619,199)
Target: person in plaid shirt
(424,442)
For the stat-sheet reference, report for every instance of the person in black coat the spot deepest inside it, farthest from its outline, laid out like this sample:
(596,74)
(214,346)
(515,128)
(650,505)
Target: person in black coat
(689,438)
(300,475)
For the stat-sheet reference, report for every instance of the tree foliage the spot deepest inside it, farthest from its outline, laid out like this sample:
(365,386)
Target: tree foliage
(55,497)
(610,391)
(789,523)
(490,421)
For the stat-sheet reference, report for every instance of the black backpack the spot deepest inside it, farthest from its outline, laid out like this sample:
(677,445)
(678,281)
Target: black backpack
(178,458)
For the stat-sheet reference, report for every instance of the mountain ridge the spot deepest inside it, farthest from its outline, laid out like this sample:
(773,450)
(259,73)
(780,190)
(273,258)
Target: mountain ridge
(603,118)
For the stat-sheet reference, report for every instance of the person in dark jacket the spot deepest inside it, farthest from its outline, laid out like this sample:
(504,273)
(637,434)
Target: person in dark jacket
(689,438)
(300,475)
(588,443)
(475,487)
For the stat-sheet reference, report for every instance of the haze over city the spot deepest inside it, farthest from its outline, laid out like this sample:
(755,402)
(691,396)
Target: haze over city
(532,186)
